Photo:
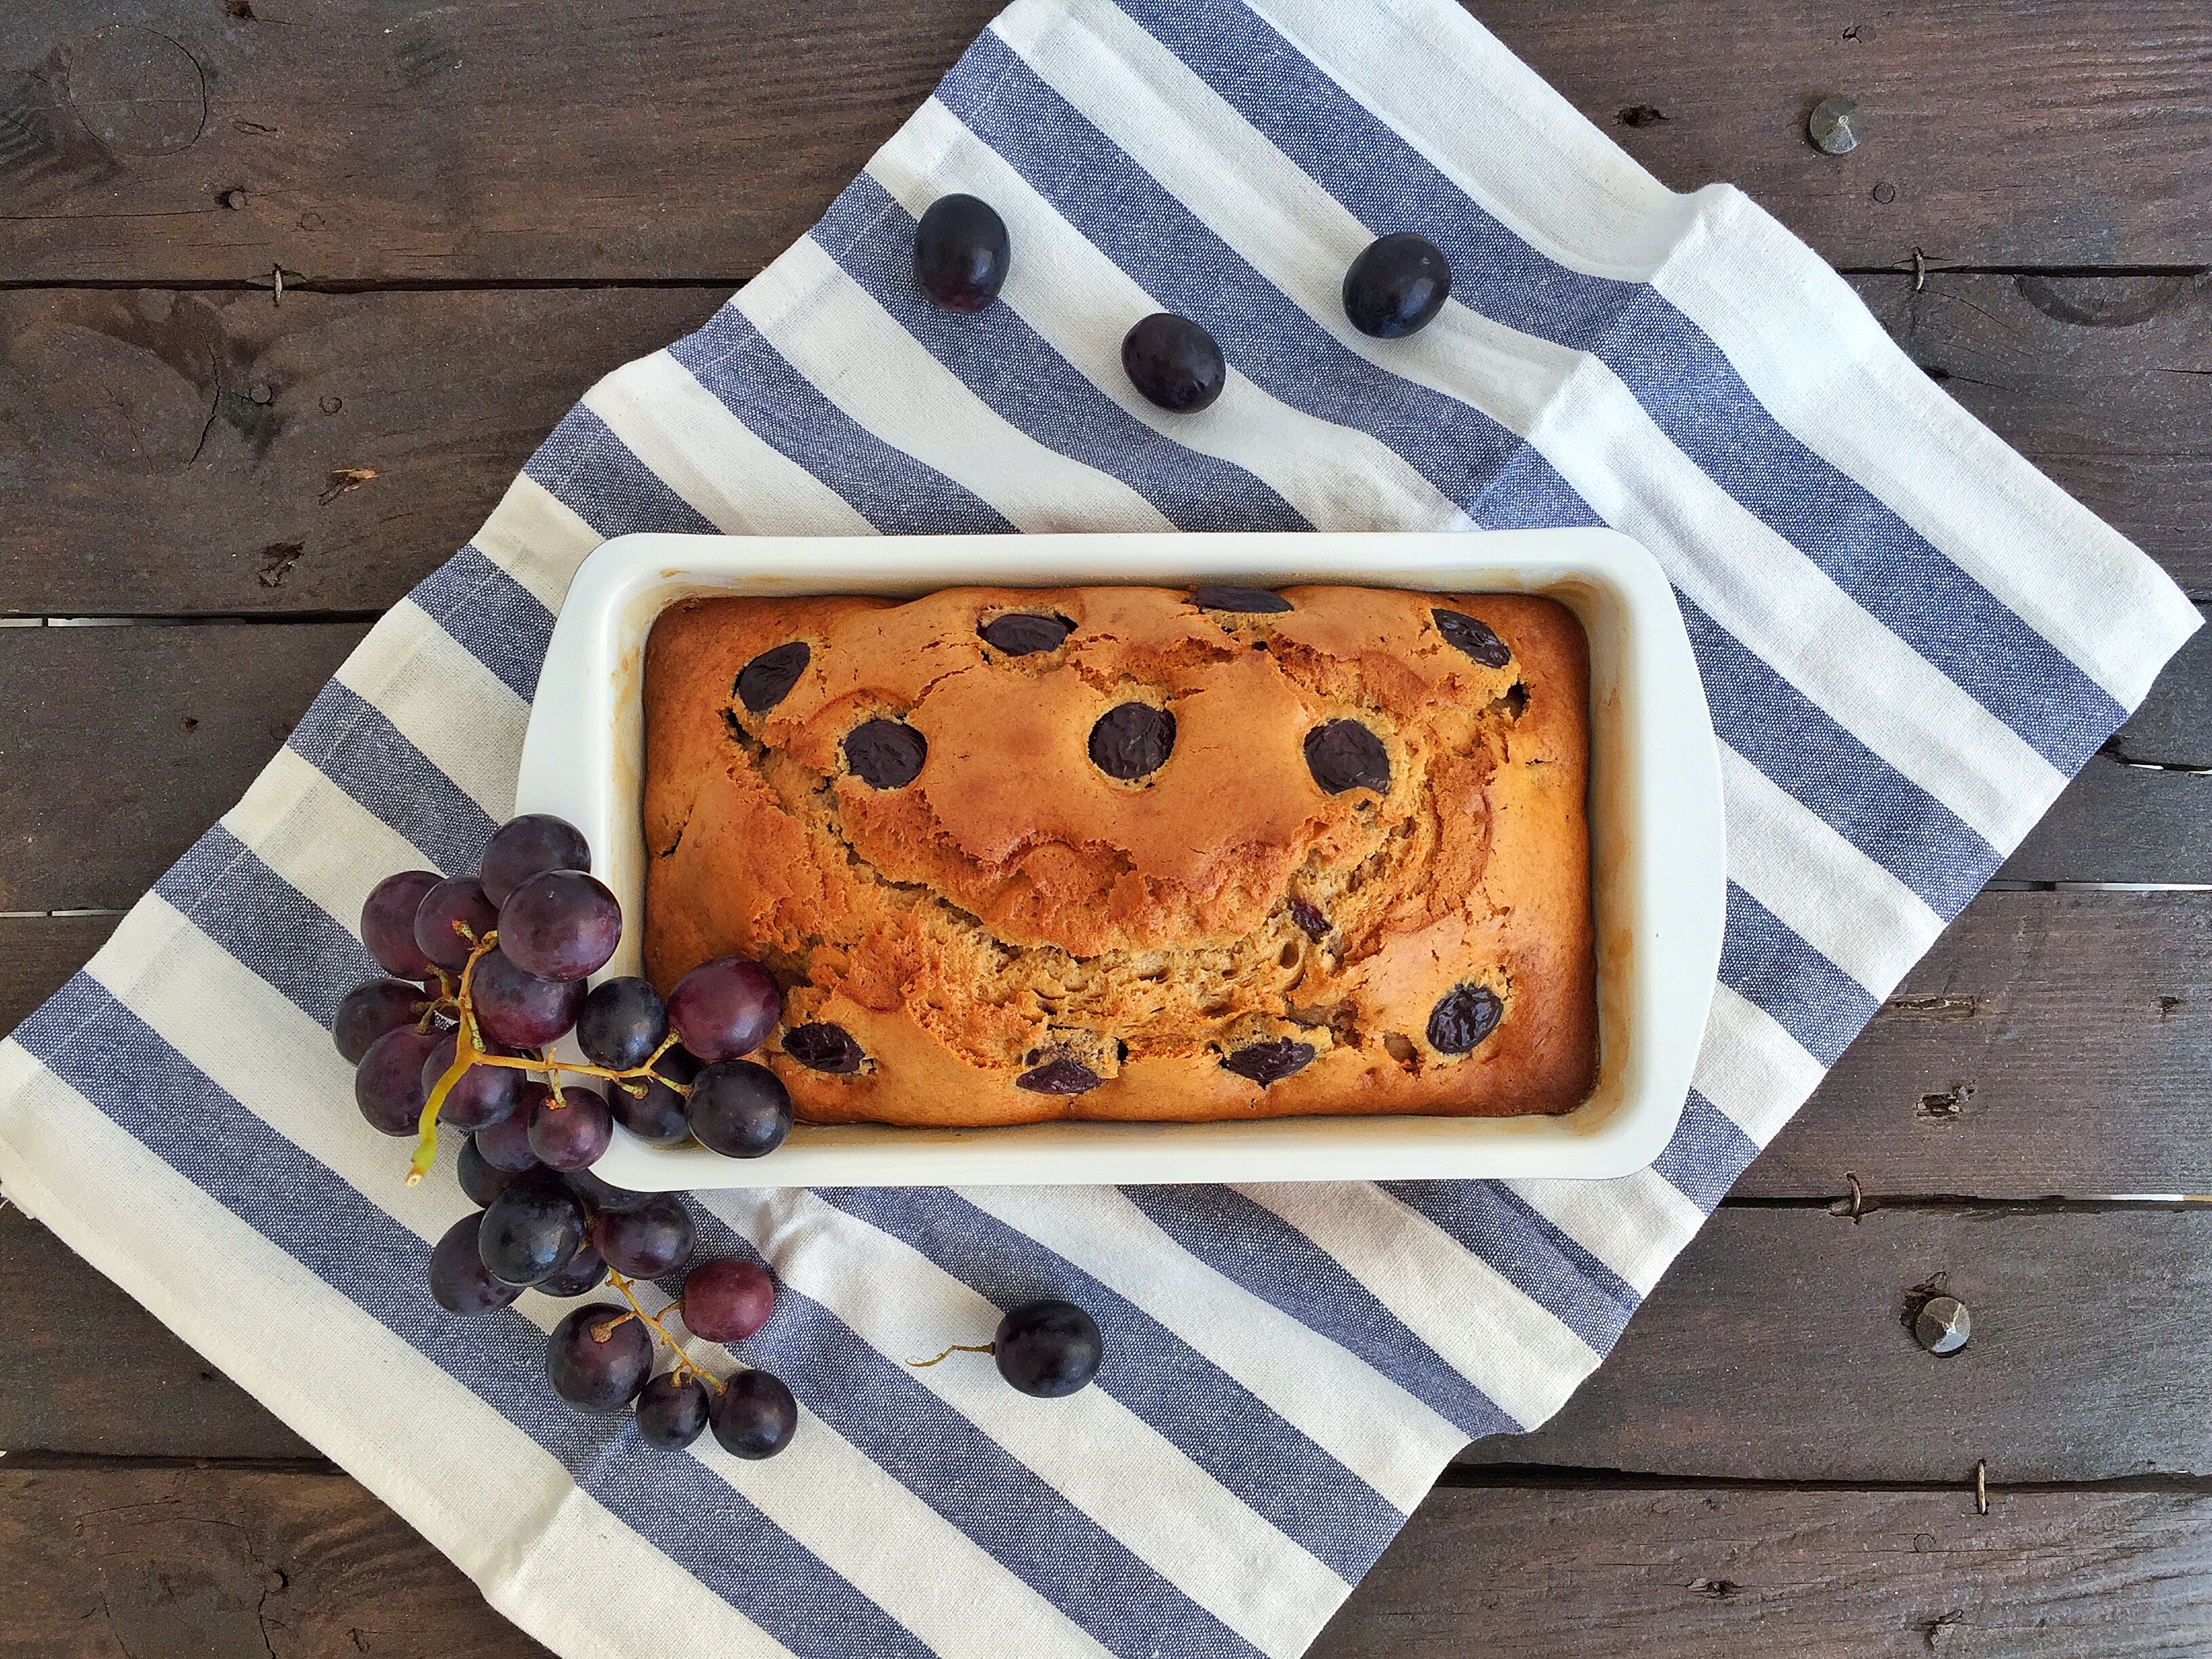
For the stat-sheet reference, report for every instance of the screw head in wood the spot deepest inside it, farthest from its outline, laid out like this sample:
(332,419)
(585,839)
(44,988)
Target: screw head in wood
(1834,126)
(1944,1325)
(261,393)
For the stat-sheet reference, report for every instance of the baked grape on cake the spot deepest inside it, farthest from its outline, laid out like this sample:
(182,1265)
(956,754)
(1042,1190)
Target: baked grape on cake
(1134,853)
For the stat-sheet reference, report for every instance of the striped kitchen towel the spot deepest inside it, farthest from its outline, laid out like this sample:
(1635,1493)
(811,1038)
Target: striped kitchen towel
(1910,640)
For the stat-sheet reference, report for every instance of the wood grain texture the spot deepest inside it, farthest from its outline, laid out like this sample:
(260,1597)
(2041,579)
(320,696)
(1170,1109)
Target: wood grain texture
(86,1368)
(226,1564)
(1775,1349)
(224,428)
(123,409)
(123,745)
(209,1563)
(426,141)
(2098,380)
(2050,1043)
(421,141)
(37,956)
(1520,1572)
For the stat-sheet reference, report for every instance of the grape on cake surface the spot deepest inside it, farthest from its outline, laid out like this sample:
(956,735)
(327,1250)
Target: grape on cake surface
(1132,852)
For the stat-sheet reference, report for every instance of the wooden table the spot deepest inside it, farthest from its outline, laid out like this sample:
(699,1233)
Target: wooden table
(477,209)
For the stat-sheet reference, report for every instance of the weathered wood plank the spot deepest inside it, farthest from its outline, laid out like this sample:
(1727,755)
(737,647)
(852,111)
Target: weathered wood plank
(1532,1572)
(126,1563)
(2122,824)
(2098,380)
(125,410)
(2013,134)
(88,1369)
(2050,1043)
(219,429)
(97,1561)
(123,745)
(37,956)
(426,141)
(1775,1349)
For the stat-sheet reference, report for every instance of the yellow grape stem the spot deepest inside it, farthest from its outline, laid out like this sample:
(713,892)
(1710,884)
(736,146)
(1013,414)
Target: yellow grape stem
(469,1050)
(466,1053)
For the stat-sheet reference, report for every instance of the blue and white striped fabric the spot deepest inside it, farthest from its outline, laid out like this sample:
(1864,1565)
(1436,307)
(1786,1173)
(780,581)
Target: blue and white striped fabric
(1909,641)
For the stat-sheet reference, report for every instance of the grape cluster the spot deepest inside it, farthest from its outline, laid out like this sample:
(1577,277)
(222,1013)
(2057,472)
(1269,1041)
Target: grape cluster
(961,251)
(487,972)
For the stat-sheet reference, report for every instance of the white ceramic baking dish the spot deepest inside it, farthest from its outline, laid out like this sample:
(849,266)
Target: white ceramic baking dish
(1657,851)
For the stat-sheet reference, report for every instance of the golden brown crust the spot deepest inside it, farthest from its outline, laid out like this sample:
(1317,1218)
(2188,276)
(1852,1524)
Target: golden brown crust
(1014,905)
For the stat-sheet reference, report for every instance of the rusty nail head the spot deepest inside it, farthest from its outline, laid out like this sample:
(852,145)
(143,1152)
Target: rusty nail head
(1834,126)
(1884,193)
(261,393)
(233,199)
(1944,1325)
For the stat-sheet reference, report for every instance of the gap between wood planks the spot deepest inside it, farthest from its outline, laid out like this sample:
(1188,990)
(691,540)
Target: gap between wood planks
(297,282)
(1459,1476)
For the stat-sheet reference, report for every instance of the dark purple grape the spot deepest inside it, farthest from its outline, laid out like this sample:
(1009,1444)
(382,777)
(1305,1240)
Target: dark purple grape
(622,1023)
(456,903)
(767,680)
(480,1178)
(657,1237)
(1464,1016)
(1132,740)
(823,1048)
(754,1416)
(522,848)
(960,254)
(561,925)
(372,1009)
(598,1357)
(672,1411)
(584,1271)
(658,1116)
(506,1145)
(387,1084)
(1474,637)
(1248,601)
(484,1095)
(1174,362)
(726,1300)
(1062,1076)
(1397,285)
(531,1229)
(1345,755)
(459,1282)
(1270,1061)
(885,753)
(387,923)
(601,1195)
(1048,1347)
(1022,633)
(725,1008)
(518,1008)
(570,1130)
(740,1110)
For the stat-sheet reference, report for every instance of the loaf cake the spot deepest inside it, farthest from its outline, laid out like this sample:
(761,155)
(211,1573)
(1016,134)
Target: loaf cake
(1134,853)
